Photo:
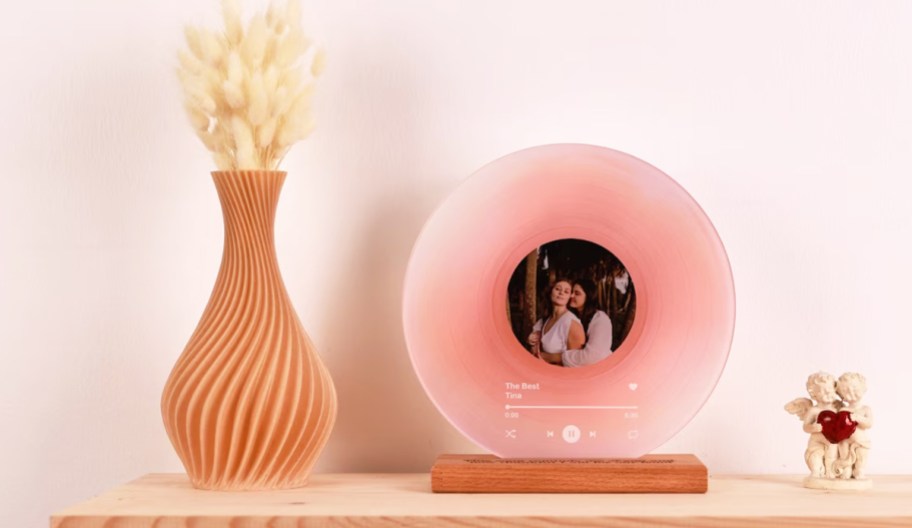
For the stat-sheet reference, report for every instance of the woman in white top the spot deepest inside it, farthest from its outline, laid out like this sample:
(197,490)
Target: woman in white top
(596,323)
(561,330)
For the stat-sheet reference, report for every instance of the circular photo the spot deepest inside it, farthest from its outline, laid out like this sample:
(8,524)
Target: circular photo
(571,303)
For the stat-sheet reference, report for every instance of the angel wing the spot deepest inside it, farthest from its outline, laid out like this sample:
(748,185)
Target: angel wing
(799,407)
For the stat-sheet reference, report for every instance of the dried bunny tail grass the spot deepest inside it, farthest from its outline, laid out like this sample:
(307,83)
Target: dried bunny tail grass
(189,63)
(231,15)
(271,79)
(191,34)
(198,117)
(291,48)
(246,148)
(266,133)
(253,48)
(212,49)
(234,95)
(319,63)
(248,91)
(224,161)
(293,14)
(258,107)
(274,19)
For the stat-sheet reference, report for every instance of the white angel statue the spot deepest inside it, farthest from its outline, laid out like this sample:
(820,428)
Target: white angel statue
(838,446)
(853,451)
(820,453)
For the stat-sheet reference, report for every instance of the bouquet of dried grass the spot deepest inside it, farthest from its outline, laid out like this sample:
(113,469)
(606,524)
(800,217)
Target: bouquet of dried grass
(248,91)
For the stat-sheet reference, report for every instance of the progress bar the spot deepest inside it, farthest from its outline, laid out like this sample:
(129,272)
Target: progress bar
(617,407)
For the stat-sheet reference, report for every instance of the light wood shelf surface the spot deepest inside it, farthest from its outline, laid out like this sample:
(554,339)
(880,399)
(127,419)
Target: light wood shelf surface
(354,500)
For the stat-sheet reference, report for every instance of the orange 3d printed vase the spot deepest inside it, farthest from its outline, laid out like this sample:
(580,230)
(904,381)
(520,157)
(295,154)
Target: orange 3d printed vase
(249,405)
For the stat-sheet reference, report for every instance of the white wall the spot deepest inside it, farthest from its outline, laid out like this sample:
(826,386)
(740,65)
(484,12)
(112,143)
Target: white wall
(790,122)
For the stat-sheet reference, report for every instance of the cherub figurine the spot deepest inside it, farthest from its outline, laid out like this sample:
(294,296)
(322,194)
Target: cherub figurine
(838,446)
(820,453)
(853,451)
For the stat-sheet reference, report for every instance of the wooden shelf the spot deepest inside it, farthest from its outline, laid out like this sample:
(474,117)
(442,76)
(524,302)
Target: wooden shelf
(168,501)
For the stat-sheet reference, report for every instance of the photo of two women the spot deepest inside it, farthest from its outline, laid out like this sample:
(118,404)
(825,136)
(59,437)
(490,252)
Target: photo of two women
(571,303)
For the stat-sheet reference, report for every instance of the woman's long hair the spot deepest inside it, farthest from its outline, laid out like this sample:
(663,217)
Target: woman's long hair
(591,304)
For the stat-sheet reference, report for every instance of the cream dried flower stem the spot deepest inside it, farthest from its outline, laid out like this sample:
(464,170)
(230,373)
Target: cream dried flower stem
(248,91)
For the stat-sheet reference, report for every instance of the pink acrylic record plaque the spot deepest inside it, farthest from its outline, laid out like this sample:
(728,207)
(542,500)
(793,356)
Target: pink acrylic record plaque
(457,317)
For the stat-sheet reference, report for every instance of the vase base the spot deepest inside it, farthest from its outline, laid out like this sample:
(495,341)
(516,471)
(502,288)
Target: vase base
(242,486)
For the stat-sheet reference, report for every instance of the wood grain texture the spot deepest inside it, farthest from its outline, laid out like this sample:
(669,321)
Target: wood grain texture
(489,474)
(249,405)
(353,500)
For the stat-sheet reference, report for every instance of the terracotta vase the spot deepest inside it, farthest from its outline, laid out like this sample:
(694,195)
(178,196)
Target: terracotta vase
(249,405)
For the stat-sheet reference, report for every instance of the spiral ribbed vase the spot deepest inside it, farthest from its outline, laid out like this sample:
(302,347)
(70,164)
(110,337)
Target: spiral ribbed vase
(249,405)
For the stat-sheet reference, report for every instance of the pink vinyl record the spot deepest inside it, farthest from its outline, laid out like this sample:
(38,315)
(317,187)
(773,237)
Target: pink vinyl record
(569,301)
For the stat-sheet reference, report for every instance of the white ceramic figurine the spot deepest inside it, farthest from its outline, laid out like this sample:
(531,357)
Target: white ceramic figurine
(838,447)
(853,451)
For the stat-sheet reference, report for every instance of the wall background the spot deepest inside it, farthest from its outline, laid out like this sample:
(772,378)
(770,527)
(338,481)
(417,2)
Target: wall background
(789,122)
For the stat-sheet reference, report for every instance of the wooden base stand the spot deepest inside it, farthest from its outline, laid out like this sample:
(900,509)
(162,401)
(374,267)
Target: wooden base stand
(489,474)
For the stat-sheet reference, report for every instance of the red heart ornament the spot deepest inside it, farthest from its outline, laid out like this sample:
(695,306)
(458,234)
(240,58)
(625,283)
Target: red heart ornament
(836,426)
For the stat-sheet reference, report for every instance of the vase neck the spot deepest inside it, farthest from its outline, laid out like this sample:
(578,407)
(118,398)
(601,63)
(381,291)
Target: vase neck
(249,200)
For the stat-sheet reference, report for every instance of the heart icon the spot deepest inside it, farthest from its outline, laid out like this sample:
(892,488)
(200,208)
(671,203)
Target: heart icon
(836,426)
(633,386)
